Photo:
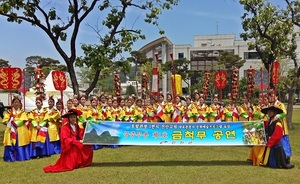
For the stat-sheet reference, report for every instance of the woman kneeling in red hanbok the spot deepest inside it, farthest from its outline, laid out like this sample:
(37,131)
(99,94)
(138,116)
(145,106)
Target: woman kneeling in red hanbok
(74,154)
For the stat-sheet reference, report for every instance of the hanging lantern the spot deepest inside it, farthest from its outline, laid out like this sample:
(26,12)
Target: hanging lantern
(59,80)
(220,79)
(11,78)
(275,72)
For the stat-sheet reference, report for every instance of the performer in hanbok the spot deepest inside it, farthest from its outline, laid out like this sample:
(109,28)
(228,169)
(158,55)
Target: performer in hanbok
(102,101)
(93,112)
(109,102)
(168,109)
(152,110)
(245,110)
(214,110)
(257,151)
(122,102)
(69,106)
(52,118)
(59,106)
(139,110)
(75,101)
(197,97)
(178,110)
(230,110)
(133,97)
(202,109)
(74,154)
(257,114)
(160,108)
(16,135)
(274,155)
(38,131)
(115,113)
(129,111)
(84,109)
(285,141)
(190,112)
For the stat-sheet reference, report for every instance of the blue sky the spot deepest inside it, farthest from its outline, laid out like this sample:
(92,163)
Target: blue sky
(189,18)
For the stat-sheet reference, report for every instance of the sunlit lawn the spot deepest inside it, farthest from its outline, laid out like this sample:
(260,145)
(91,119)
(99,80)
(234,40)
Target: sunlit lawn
(153,164)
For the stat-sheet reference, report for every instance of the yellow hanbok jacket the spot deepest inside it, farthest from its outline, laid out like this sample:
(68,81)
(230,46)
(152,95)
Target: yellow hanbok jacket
(244,112)
(115,114)
(180,109)
(94,114)
(151,112)
(282,117)
(191,113)
(20,118)
(36,118)
(168,112)
(257,114)
(203,112)
(52,116)
(228,113)
(213,112)
(139,113)
(129,113)
(84,110)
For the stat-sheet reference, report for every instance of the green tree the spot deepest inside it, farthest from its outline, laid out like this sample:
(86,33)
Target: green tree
(4,63)
(138,59)
(130,90)
(47,64)
(229,60)
(114,37)
(272,30)
(105,77)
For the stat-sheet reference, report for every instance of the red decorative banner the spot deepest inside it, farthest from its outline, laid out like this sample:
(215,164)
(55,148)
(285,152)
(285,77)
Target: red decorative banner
(59,80)
(220,79)
(10,78)
(275,72)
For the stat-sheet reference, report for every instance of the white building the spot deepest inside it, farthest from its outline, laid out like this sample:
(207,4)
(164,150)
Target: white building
(203,55)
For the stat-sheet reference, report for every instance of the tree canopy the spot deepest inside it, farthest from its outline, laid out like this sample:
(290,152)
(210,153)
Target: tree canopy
(272,30)
(62,24)
(4,63)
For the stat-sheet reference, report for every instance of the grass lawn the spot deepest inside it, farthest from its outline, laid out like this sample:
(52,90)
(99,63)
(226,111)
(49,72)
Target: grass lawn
(153,164)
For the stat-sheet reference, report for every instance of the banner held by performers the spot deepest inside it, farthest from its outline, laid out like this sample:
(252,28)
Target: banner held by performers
(174,134)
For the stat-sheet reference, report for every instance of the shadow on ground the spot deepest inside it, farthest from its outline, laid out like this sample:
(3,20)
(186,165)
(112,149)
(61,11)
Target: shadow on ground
(171,163)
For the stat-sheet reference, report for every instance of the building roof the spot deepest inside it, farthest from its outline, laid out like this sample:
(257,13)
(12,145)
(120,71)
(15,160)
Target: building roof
(148,47)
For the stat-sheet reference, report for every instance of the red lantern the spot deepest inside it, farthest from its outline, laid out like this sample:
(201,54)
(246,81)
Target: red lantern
(10,78)
(220,79)
(59,80)
(275,72)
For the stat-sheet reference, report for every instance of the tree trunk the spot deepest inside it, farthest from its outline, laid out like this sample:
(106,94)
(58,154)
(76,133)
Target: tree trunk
(290,107)
(94,83)
(291,92)
(73,77)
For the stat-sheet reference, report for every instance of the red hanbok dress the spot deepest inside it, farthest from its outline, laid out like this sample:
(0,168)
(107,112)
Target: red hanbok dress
(74,154)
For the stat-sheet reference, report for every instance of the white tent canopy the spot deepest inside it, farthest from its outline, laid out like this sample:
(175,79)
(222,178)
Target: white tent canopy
(50,90)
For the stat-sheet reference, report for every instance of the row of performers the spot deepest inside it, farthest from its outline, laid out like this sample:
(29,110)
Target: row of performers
(121,109)
(36,133)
